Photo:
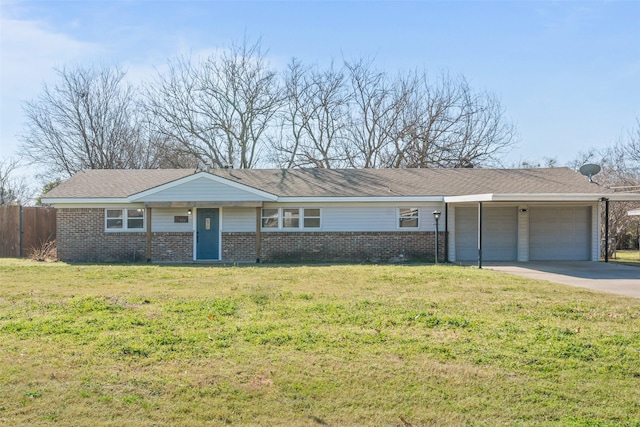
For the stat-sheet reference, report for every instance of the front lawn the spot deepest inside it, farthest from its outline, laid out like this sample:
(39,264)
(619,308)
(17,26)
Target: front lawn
(140,345)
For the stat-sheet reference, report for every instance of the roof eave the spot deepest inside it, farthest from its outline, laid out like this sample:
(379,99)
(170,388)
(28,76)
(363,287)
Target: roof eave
(359,199)
(543,197)
(82,200)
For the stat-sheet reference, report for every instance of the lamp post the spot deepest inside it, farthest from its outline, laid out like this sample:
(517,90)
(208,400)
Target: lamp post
(436,216)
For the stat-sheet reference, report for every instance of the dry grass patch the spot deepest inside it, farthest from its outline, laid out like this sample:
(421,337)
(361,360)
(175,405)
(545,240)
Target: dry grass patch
(343,345)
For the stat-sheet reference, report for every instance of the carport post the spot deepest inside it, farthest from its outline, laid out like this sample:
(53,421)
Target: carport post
(446,232)
(606,229)
(479,234)
(148,252)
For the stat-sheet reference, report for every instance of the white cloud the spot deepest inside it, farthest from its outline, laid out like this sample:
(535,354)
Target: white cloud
(29,52)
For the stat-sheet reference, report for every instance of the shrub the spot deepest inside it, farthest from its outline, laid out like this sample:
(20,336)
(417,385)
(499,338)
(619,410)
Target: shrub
(45,252)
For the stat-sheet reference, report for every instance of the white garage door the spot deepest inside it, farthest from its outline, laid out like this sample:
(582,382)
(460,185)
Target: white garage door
(499,233)
(560,234)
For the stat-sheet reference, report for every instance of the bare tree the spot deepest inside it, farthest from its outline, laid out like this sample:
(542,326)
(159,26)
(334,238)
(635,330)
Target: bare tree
(377,104)
(218,109)
(620,172)
(88,120)
(315,119)
(447,124)
(629,148)
(360,117)
(14,189)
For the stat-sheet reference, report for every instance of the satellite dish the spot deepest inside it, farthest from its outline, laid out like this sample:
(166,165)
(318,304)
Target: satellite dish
(589,170)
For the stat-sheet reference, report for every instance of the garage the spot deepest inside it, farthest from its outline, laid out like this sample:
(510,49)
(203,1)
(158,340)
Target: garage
(499,233)
(560,233)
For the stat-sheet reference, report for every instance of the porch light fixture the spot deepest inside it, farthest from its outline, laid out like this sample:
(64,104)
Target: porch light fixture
(436,216)
(189,212)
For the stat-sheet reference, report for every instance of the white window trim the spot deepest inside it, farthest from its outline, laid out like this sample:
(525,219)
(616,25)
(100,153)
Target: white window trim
(302,218)
(398,217)
(281,219)
(300,227)
(125,222)
(262,218)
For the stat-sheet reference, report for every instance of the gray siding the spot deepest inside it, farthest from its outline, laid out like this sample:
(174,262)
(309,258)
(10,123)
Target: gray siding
(162,220)
(201,189)
(238,220)
(344,217)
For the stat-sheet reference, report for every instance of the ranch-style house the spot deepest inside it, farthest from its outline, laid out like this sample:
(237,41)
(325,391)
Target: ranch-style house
(328,215)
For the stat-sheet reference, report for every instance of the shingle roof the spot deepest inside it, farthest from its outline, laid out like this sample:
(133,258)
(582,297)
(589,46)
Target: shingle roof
(341,182)
(115,183)
(411,182)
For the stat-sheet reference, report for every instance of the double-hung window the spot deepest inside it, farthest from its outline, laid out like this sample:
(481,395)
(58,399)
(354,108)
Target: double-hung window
(270,218)
(408,217)
(124,219)
(290,218)
(311,218)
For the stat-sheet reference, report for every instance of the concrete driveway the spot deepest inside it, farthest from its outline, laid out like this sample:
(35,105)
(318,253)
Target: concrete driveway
(599,276)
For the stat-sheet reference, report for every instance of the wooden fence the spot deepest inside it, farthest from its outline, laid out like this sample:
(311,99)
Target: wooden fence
(24,228)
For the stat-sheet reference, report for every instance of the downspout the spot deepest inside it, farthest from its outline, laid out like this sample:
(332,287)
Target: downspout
(479,234)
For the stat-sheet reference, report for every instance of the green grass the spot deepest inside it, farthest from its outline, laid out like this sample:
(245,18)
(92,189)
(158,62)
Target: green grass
(311,345)
(627,257)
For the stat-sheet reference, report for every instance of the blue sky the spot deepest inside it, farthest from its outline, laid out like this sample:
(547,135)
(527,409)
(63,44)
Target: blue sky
(567,73)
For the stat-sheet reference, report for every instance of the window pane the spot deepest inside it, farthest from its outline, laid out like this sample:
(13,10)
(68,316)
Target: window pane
(311,222)
(135,213)
(114,223)
(269,222)
(311,213)
(114,213)
(408,217)
(269,218)
(408,222)
(135,223)
(409,212)
(290,218)
(290,223)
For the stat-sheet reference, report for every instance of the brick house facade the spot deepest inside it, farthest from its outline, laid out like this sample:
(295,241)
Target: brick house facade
(315,215)
(83,239)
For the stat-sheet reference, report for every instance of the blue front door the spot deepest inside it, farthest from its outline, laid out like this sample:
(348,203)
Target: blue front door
(208,234)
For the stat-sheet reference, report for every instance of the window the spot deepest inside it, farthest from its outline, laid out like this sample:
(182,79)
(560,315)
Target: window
(312,218)
(408,217)
(114,219)
(270,218)
(292,218)
(124,219)
(135,219)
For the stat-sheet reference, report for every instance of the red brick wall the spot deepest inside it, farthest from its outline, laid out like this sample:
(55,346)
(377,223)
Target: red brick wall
(349,246)
(239,247)
(81,237)
(176,247)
